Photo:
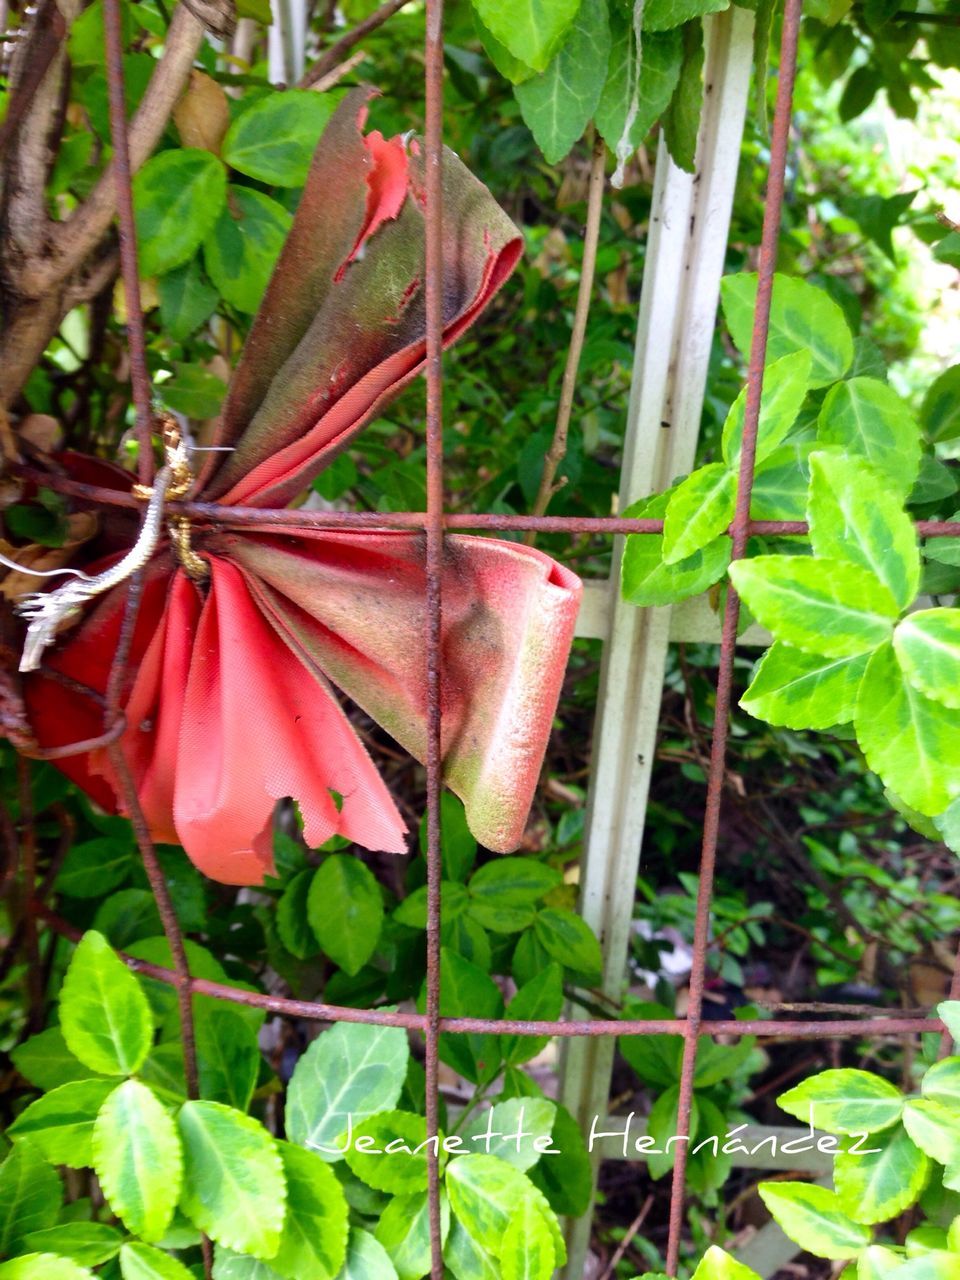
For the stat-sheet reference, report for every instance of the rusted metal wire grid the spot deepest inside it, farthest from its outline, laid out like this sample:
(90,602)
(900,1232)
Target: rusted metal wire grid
(435,522)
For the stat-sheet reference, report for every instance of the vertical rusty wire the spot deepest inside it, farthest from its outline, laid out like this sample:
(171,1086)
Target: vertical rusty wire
(740,532)
(434,558)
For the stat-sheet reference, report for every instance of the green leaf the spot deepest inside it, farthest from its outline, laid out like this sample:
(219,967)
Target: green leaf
(928,649)
(802,318)
(813,1217)
(177,197)
(240,1266)
(785,383)
(569,940)
(503,892)
(349,1071)
(274,140)
(141,1262)
(233,1185)
(458,847)
(467,991)
(104,1014)
(404,1231)
(661,15)
(242,247)
(948,1011)
(510,68)
(566,1180)
(527,1251)
(940,411)
(717,1264)
(846,1101)
(681,120)
(804,690)
(662,58)
(345,909)
(366,1259)
(138,1159)
(699,509)
(934,1128)
(228,1057)
(539,1000)
(876,1186)
(647,580)
(948,250)
(88,1243)
(517,1131)
(30,1195)
(193,392)
(947,825)
(854,517)
(466,1259)
(819,606)
(43,1266)
(187,299)
(879,217)
(60,1124)
(532,30)
(94,868)
(314,1240)
(559,104)
(293,924)
(908,739)
(392,1162)
(46,1061)
(867,418)
(412,911)
(484,1194)
(662,1126)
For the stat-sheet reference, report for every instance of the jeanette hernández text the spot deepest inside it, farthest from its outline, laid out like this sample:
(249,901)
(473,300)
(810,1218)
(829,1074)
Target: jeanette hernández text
(629,1134)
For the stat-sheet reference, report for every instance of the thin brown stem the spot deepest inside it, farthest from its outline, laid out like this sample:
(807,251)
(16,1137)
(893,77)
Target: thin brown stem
(558,446)
(333,56)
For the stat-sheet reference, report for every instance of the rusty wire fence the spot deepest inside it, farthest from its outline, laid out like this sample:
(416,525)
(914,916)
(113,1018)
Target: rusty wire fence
(435,522)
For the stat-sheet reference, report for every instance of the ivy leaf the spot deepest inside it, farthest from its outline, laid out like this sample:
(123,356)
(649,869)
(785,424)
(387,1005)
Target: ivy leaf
(349,1071)
(314,1240)
(908,739)
(928,648)
(242,247)
(661,15)
(274,140)
(138,1159)
(46,1061)
(527,1252)
(293,924)
(854,516)
(484,1193)
(867,418)
(559,104)
(404,1231)
(30,1195)
(940,411)
(88,1243)
(187,299)
(539,1000)
(510,1130)
(60,1123)
(233,1185)
(645,577)
(402,1170)
(177,197)
(681,120)
(104,1014)
(802,318)
(345,909)
(228,1057)
(43,1266)
(662,58)
(876,1186)
(820,606)
(785,384)
(935,1128)
(366,1258)
(813,1217)
(804,690)
(569,939)
(141,1262)
(532,30)
(699,509)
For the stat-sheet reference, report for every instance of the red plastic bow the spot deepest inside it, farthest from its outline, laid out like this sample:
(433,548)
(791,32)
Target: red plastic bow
(228,703)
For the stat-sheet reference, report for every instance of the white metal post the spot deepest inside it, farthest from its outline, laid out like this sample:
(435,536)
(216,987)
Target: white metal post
(689,226)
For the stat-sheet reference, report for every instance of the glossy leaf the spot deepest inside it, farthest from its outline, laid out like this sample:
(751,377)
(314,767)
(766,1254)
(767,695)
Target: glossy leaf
(142,1262)
(393,1162)
(927,645)
(484,1193)
(104,1014)
(814,1218)
(43,1266)
(700,508)
(138,1159)
(187,299)
(539,1000)
(466,991)
(314,1239)
(568,938)
(404,1231)
(866,418)
(228,1057)
(785,383)
(532,30)
(844,1101)
(515,1131)
(934,1128)
(30,1195)
(293,924)
(60,1124)
(874,1186)
(233,1185)
(345,909)
(242,246)
(274,140)
(177,197)
(88,1243)
(940,411)
(645,577)
(366,1258)
(804,690)
(46,1061)
(717,1264)
(826,607)
(527,1251)
(465,1258)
